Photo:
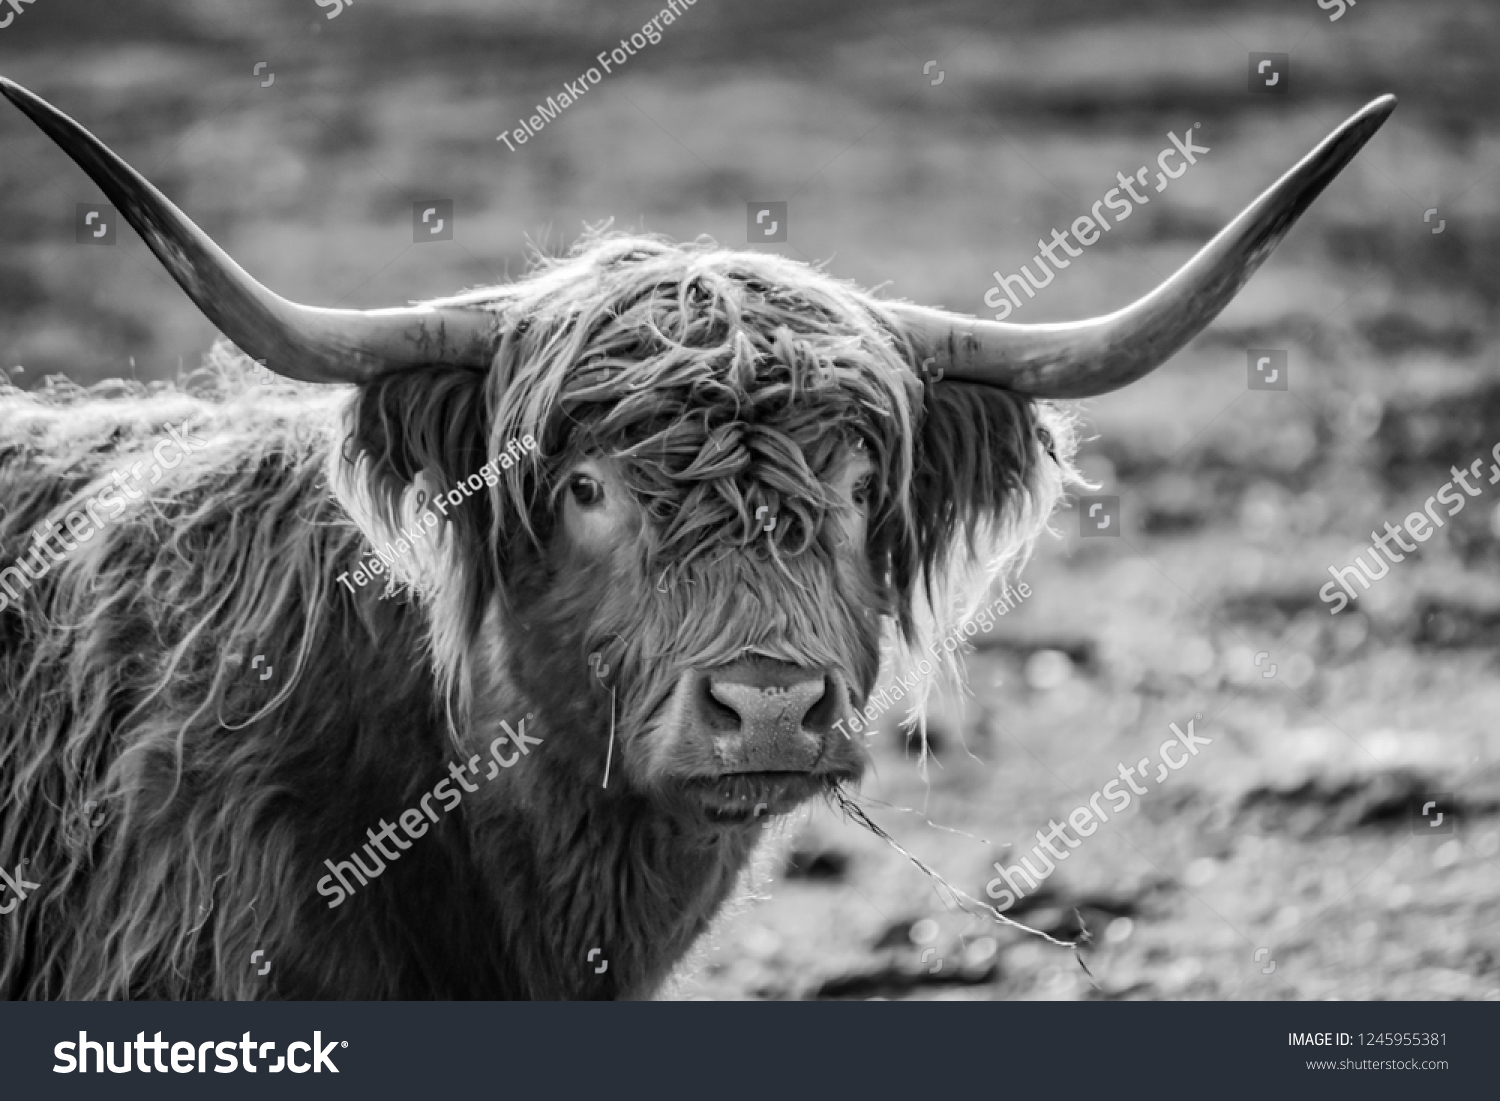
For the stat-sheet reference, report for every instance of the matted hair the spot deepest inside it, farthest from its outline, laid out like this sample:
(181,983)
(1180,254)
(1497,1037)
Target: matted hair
(671,358)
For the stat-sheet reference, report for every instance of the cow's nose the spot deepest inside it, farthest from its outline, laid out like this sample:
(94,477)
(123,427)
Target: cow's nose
(764,709)
(767,716)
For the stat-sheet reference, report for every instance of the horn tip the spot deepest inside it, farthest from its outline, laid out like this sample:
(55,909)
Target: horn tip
(1380,106)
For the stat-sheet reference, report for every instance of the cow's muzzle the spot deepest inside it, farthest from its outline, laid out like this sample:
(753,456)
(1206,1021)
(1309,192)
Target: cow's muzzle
(759,735)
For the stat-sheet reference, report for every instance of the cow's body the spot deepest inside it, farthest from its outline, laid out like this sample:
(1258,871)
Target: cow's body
(210,825)
(218,797)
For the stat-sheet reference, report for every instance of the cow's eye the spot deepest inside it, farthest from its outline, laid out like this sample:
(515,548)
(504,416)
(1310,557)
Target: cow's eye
(586,491)
(862,489)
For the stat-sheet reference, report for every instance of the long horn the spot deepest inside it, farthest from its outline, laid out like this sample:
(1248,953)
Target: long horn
(1080,359)
(301,342)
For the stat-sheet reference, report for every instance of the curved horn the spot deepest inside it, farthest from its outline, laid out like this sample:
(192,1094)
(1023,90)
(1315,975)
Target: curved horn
(1081,359)
(302,342)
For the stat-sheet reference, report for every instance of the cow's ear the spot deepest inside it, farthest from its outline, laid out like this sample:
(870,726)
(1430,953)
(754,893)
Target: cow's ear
(990,467)
(409,441)
(979,462)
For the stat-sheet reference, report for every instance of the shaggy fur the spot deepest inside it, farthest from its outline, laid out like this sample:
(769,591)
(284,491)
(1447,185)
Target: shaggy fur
(712,382)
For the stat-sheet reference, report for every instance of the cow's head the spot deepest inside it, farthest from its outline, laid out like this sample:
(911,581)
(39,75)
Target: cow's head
(723,519)
(748,475)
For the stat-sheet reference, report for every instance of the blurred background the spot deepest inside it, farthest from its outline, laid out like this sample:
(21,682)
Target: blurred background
(920,146)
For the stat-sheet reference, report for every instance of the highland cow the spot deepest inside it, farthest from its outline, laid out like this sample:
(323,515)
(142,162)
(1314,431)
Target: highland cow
(546,736)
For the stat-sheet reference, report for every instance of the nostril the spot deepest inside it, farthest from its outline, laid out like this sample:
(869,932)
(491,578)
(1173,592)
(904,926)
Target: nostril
(821,715)
(717,713)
